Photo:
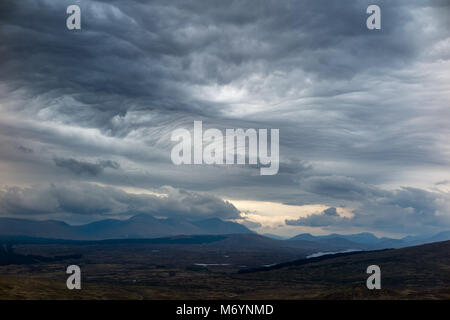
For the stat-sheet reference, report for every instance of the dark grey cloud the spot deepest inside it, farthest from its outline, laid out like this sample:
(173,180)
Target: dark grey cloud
(442,182)
(84,167)
(25,149)
(169,49)
(97,201)
(405,210)
(329,217)
(331,212)
(339,187)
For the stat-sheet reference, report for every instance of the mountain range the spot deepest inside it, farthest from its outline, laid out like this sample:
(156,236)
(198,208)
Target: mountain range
(146,226)
(139,226)
(370,241)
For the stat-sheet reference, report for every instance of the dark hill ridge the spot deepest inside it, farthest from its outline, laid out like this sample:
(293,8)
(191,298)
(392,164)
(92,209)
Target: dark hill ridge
(139,226)
(301,262)
(248,242)
(417,272)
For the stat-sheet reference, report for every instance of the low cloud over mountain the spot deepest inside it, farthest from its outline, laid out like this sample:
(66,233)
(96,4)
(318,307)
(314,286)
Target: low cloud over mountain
(96,201)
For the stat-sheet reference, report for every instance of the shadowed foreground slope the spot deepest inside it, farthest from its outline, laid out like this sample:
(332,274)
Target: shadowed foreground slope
(421,272)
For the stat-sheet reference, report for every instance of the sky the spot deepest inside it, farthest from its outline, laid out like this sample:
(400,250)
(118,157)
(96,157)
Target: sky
(86,115)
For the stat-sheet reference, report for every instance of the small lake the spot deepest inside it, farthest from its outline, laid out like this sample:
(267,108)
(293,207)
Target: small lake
(319,254)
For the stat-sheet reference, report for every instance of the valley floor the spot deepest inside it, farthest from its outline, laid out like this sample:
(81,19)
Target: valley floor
(164,272)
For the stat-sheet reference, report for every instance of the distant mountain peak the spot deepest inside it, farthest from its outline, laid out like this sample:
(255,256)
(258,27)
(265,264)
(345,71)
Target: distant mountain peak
(362,238)
(139,226)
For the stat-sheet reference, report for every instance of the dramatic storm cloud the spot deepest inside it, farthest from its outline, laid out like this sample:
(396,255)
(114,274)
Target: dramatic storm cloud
(363,114)
(88,199)
(408,210)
